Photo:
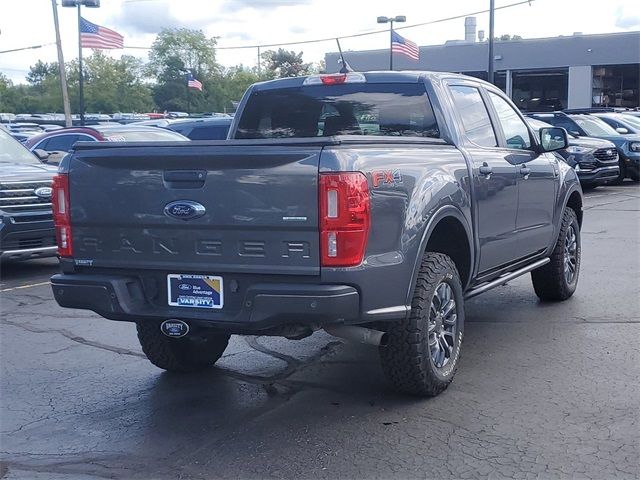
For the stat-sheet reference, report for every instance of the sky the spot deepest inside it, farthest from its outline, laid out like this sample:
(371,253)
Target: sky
(251,22)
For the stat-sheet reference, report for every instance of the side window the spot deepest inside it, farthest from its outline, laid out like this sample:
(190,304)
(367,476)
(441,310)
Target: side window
(61,143)
(475,118)
(514,128)
(217,132)
(43,144)
(566,123)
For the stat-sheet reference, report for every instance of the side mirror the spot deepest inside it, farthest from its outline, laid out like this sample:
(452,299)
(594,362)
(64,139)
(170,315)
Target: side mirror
(553,138)
(42,155)
(622,130)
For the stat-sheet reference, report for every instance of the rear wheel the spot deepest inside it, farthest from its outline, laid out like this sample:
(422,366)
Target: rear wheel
(422,353)
(558,279)
(187,354)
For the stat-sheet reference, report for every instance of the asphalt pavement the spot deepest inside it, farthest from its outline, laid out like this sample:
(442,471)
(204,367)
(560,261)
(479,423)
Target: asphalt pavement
(544,390)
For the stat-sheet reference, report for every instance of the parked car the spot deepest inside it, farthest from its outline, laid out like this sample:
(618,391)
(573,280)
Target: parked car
(594,160)
(587,125)
(26,224)
(211,128)
(297,224)
(623,123)
(59,142)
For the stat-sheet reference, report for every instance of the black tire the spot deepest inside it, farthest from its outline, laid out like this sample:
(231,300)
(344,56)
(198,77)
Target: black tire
(192,353)
(551,282)
(622,175)
(408,359)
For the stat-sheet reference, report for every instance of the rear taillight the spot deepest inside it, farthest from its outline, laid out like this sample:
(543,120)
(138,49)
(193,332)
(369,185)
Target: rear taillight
(344,218)
(62,215)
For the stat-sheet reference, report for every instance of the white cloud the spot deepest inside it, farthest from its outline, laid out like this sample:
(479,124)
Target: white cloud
(250,22)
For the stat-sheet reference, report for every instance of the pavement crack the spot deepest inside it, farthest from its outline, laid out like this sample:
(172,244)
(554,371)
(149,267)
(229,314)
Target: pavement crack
(75,338)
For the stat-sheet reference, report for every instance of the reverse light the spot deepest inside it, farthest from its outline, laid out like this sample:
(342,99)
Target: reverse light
(61,214)
(335,79)
(344,218)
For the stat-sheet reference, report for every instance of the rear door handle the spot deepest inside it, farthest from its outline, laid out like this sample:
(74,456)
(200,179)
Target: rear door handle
(485,169)
(184,178)
(525,171)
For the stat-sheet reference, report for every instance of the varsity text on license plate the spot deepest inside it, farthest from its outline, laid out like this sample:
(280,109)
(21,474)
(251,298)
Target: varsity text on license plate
(199,291)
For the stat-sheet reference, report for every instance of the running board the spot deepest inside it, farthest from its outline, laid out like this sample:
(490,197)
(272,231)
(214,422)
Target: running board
(504,278)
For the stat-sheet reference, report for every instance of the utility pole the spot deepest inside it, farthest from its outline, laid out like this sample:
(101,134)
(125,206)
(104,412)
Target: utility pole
(63,74)
(490,74)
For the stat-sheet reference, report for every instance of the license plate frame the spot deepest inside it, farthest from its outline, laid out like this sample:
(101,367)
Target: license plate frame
(195,291)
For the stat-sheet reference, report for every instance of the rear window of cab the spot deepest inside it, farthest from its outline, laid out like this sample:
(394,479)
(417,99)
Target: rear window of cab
(380,109)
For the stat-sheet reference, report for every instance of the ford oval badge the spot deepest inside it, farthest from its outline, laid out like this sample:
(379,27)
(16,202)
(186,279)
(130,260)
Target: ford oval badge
(43,192)
(184,210)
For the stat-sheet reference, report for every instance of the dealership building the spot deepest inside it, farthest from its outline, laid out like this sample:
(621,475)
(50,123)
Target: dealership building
(575,71)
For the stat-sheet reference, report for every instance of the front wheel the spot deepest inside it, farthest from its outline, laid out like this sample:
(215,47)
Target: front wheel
(622,174)
(558,279)
(192,353)
(422,353)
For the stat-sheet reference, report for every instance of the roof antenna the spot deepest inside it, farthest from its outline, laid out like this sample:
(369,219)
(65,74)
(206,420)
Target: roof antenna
(346,68)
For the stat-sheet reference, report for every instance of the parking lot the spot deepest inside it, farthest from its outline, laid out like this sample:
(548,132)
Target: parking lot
(544,390)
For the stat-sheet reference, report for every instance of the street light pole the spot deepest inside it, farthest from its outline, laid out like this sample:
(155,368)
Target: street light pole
(390,20)
(78,4)
(490,73)
(80,71)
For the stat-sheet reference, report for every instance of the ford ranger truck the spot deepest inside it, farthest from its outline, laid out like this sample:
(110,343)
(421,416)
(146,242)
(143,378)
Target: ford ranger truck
(370,205)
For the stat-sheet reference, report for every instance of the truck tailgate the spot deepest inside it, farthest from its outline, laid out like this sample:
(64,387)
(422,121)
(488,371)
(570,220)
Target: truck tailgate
(260,207)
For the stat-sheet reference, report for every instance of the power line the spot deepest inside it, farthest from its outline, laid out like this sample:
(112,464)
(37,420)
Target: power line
(306,42)
(354,35)
(32,47)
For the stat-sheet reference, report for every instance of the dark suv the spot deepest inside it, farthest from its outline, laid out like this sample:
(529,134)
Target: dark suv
(595,160)
(585,125)
(215,128)
(26,224)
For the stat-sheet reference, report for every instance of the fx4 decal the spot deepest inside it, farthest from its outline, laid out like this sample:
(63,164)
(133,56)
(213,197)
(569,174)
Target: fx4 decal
(387,178)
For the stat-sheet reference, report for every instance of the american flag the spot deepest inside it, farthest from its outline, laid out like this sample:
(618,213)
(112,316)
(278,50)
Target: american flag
(193,83)
(401,45)
(95,36)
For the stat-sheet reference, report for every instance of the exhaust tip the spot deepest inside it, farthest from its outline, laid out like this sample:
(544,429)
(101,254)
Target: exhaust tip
(384,340)
(174,328)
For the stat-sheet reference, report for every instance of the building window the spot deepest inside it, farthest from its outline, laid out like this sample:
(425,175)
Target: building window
(540,90)
(616,85)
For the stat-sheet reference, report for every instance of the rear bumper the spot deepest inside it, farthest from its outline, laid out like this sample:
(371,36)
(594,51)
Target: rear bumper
(264,306)
(598,176)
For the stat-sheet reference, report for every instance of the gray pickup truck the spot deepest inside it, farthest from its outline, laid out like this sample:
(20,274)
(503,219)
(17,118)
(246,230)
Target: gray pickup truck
(368,205)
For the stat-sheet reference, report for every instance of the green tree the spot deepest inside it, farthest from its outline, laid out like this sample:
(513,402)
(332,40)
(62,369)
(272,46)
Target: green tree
(174,53)
(115,85)
(40,71)
(284,63)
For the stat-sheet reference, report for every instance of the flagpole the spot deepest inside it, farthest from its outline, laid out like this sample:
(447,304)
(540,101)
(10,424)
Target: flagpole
(80,75)
(188,94)
(391,45)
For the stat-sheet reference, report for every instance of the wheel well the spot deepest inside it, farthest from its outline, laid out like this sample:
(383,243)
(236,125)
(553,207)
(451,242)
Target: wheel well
(575,202)
(449,237)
